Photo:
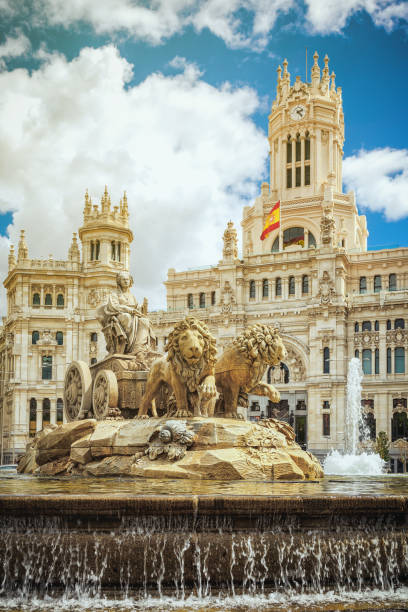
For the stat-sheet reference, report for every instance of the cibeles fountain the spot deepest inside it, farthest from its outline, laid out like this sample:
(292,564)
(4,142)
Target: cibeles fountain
(194,507)
(184,406)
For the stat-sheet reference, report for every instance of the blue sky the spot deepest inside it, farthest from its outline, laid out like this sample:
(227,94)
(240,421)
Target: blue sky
(169,100)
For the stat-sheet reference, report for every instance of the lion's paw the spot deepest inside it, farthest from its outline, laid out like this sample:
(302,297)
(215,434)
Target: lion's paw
(142,416)
(182,414)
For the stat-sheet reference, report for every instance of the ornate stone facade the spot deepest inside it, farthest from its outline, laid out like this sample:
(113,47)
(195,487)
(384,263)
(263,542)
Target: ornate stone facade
(313,277)
(51,319)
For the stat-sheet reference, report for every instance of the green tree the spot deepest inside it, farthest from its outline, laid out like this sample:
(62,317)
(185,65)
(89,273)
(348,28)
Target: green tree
(382,446)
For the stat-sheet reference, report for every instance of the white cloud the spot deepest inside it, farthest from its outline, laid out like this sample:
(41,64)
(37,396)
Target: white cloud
(187,153)
(328,16)
(14,46)
(380,180)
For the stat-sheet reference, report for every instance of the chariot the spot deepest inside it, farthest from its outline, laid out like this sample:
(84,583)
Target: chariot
(111,387)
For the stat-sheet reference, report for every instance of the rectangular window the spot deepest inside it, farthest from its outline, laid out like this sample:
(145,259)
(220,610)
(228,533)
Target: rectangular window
(326,360)
(307,175)
(47,367)
(289,178)
(298,176)
(377,284)
(307,148)
(300,429)
(399,360)
(377,361)
(288,152)
(326,424)
(389,371)
(212,298)
(298,150)
(367,361)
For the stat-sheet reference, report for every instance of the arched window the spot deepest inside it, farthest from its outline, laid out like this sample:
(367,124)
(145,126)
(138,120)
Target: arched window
(190,302)
(311,240)
(60,411)
(275,245)
(298,148)
(305,284)
(118,254)
(265,288)
(366,326)
(212,298)
(33,417)
(370,424)
(288,151)
(376,326)
(399,426)
(363,284)
(399,324)
(97,249)
(113,251)
(377,361)
(93,360)
(46,366)
(356,327)
(326,360)
(307,146)
(202,300)
(94,337)
(59,336)
(377,283)
(92,256)
(392,282)
(60,301)
(293,236)
(251,289)
(367,361)
(388,324)
(291,285)
(48,299)
(36,300)
(389,369)
(357,354)
(399,360)
(46,411)
(35,336)
(278,287)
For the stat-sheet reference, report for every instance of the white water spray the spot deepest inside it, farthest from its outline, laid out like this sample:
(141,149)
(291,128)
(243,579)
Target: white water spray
(353,461)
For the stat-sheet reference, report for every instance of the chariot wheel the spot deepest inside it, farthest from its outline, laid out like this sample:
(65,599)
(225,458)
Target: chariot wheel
(77,391)
(105,393)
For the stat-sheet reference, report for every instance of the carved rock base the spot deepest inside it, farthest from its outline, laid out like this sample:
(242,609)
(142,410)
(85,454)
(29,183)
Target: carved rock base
(194,448)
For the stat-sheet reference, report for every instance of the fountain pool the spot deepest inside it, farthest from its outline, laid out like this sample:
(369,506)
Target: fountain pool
(142,544)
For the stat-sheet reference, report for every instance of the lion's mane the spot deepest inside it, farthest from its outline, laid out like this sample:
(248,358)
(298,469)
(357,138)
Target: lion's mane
(261,344)
(191,375)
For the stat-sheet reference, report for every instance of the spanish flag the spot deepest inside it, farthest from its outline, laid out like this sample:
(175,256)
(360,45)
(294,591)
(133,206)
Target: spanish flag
(272,221)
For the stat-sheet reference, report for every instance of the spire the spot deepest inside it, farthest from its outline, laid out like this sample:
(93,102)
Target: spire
(285,79)
(333,82)
(11,258)
(74,253)
(324,85)
(125,210)
(279,71)
(230,250)
(105,201)
(315,71)
(88,205)
(22,248)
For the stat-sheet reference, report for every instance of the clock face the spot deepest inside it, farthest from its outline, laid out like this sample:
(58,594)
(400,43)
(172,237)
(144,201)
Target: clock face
(298,112)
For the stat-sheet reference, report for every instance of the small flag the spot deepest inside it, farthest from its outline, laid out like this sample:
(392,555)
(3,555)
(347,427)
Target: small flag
(272,221)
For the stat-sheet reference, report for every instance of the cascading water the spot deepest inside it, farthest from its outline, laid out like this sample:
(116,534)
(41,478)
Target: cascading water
(353,461)
(156,563)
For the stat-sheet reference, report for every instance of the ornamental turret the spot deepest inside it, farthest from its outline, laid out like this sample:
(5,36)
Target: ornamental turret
(22,248)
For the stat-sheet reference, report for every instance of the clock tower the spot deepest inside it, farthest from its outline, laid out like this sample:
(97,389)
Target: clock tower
(306,136)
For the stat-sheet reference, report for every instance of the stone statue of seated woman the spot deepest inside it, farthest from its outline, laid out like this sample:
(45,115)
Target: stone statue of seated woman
(126,327)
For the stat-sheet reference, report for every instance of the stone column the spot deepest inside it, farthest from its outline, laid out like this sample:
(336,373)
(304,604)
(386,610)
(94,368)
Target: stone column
(39,415)
(293,162)
(383,349)
(302,160)
(53,411)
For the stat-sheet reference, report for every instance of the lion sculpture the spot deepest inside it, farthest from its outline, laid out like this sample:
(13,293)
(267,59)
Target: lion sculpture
(241,367)
(188,369)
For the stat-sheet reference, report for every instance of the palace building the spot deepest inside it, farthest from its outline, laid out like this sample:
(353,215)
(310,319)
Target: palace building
(51,320)
(313,278)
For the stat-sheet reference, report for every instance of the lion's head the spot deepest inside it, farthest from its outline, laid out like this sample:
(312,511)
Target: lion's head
(262,344)
(191,350)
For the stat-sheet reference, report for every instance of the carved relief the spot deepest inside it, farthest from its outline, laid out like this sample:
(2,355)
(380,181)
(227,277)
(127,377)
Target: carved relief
(47,338)
(397,336)
(296,365)
(227,298)
(327,227)
(97,296)
(230,250)
(326,289)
